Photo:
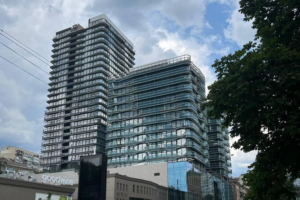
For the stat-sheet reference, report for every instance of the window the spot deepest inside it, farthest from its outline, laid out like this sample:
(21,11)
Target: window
(123,187)
(156,174)
(137,189)
(133,188)
(126,188)
(117,186)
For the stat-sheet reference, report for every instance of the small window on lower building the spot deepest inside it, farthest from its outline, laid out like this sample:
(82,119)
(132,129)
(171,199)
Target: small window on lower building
(156,174)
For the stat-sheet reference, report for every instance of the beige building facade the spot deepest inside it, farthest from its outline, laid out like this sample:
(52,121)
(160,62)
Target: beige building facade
(156,172)
(239,189)
(11,189)
(120,187)
(19,155)
(67,178)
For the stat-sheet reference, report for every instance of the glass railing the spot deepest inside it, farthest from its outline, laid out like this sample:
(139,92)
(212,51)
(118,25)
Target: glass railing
(157,120)
(226,136)
(218,165)
(153,85)
(214,121)
(196,156)
(156,156)
(163,91)
(111,153)
(159,101)
(216,143)
(154,77)
(195,146)
(123,160)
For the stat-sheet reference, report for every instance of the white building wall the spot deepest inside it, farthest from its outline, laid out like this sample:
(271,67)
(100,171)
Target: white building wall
(145,172)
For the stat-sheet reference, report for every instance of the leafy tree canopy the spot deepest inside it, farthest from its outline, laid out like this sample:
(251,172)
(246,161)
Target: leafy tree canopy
(258,90)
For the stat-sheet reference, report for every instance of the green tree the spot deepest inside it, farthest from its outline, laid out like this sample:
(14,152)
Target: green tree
(62,198)
(49,196)
(257,93)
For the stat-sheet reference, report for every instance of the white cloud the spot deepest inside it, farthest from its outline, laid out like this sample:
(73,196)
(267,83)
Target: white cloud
(157,29)
(186,14)
(207,25)
(240,160)
(239,30)
(14,125)
(199,51)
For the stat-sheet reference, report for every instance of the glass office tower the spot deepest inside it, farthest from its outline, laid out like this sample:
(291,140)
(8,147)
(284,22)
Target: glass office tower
(83,59)
(154,115)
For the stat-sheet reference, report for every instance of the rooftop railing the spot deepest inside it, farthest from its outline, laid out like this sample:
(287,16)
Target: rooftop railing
(165,62)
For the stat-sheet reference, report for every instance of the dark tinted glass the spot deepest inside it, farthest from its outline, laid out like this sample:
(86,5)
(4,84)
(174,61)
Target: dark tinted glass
(92,178)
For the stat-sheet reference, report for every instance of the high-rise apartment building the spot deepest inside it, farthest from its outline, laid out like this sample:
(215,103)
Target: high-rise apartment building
(154,115)
(83,59)
(157,131)
(219,151)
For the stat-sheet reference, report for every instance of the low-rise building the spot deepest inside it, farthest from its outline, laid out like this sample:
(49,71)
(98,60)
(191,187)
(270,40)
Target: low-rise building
(12,167)
(120,187)
(18,155)
(239,189)
(12,189)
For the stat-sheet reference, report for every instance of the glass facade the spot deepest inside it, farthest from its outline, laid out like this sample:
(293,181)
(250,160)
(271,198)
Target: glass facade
(219,148)
(184,181)
(154,115)
(92,177)
(216,187)
(75,119)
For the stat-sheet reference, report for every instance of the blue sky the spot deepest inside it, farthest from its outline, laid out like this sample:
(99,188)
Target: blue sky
(159,29)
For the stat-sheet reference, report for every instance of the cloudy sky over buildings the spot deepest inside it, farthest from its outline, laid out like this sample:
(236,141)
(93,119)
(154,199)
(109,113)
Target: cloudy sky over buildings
(204,29)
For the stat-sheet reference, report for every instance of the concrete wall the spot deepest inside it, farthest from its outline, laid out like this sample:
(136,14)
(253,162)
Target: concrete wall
(121,187)
(72,175)
(11,189)
(10,152)
(145,172)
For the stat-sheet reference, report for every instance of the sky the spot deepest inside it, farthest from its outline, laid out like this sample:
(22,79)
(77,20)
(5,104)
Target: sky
(158,29)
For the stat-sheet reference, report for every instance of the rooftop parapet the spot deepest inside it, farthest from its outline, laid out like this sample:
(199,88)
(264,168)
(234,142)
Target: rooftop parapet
(162,63)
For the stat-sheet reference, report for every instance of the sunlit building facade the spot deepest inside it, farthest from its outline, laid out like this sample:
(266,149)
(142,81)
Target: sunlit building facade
(75,119)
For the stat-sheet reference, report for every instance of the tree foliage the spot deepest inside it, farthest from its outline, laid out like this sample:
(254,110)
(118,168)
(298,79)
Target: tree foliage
(258,90)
